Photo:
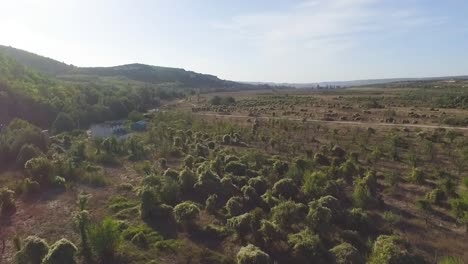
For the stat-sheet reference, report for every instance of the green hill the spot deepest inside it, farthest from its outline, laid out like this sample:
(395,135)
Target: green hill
(133,72)
(41,64)
(38,89)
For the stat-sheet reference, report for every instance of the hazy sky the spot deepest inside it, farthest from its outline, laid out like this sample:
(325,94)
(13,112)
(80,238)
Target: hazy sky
(248,40)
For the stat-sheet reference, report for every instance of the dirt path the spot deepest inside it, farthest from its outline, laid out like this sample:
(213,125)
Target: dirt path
(353,123)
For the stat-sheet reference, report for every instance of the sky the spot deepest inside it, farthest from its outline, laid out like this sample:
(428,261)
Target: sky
(249,40)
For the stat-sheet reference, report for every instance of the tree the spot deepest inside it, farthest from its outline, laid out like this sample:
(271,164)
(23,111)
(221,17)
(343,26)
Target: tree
(186,213)
(389,250)
(63,123)
(319,219)
(105,239)
(345,253)
(62,251)
(285,188)
(251,254)
(288,213)
(241,223)
(307,247)
(33,251)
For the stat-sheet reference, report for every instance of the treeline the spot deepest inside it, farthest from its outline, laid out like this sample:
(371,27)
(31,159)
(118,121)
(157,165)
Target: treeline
(39,99)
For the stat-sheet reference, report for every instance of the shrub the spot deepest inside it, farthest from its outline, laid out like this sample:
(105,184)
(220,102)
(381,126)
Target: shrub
(241,223)
(208,183)
(202,150)
(62,251)
(435,196)
(30,187)
(236,168)
(7,201)
(186,213)
(59,182)
(105,239)
(251,254)
(259,184)
(227,139)
(345,253)
(63,123)
(40,169)
(33,251)
(280,167)
(416,176)
(319,218)
(307,247)
(235,206)
(285,188)
(388,250)
(321,159)
(26,153)
(189,161)
(171,173)
(211,203)
(288,213)
(186,180)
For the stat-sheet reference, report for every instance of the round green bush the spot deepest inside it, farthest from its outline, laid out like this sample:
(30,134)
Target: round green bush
(251,254)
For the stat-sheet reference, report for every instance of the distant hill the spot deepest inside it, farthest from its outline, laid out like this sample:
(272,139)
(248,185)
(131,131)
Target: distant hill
(360,82)
(154,75)
(39,63)
(136,72)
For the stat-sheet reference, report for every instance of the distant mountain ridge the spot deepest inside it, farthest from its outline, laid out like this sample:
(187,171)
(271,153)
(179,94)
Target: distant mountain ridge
(359,82)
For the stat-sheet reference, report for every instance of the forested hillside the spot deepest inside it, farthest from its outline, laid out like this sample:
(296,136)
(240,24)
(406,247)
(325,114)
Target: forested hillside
(29,95)
(38,89)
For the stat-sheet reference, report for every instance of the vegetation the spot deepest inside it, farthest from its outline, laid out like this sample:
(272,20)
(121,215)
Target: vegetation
(270,187)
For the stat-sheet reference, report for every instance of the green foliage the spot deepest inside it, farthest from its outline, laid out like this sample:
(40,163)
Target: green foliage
(105,239)
(259,184)
(7,201)
(307,247)
(416,176)
(63,123)
(389,250)
(285,188)
(450,260)
(288,213)
(251,254)
(141,235)
(187,180)
(62,251)
(18,134)
(435,196)
(319,219)
(235,206)
(241,223)
(186,213)
(33,252)
(236,168)
(40,169)
(345,253)
(364,194)
(26,153)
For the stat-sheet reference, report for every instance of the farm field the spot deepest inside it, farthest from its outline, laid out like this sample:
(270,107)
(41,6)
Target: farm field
(364,175)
